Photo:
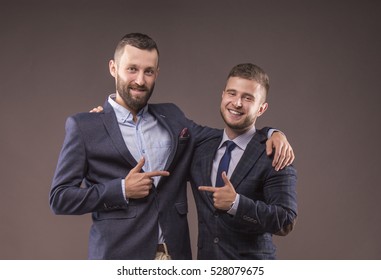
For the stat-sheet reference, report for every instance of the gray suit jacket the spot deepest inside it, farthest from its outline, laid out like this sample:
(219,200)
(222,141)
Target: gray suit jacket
(94,154)
(267,204)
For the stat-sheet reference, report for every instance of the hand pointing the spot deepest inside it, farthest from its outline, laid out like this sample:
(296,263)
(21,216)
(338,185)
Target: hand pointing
(223,197)
(137,184)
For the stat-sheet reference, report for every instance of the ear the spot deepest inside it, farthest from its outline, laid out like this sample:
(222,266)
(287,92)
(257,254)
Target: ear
(112,68)
(262,109)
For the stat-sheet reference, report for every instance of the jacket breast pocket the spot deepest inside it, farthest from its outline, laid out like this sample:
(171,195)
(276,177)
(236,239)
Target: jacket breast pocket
(184,140)
(128,213)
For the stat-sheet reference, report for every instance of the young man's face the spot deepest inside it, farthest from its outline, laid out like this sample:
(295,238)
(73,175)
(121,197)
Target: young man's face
(135,73)
(242,102)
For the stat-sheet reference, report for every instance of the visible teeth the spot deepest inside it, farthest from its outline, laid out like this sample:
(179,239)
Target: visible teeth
(235,112)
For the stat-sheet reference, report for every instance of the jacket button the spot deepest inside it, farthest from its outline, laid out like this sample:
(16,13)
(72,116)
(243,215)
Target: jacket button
(216,240)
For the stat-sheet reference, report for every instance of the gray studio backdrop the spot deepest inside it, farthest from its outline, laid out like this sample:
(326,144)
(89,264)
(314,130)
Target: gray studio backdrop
(323,59)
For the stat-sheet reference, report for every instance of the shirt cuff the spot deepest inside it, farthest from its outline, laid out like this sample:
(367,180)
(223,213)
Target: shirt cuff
(233,209)
(124,190)
(271,131)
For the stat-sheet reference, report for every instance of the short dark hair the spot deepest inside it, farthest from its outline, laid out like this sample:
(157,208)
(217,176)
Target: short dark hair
(137,40)
(251,72)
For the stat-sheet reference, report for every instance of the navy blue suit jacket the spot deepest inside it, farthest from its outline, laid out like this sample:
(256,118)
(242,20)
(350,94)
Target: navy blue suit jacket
(93,161)
(267,204)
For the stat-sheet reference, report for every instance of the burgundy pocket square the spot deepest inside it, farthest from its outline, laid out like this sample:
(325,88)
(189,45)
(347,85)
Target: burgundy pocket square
(184,133)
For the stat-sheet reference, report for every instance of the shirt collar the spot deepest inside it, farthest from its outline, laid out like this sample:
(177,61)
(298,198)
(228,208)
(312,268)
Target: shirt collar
(123,115)
(241,141)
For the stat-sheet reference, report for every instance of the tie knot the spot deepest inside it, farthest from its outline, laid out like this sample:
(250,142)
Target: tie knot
(230,145)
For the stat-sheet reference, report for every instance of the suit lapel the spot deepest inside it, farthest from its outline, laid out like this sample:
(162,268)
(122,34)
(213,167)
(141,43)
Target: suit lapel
(205,157)
(253,151)
(112,127)
(208,155)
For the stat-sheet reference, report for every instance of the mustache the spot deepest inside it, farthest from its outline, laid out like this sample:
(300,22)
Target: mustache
(137,87)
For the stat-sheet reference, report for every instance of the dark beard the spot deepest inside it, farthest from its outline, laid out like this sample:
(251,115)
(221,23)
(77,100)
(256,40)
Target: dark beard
(134,104)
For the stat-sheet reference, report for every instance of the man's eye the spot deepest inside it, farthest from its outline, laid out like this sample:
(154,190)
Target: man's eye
(150,72)
(131,69)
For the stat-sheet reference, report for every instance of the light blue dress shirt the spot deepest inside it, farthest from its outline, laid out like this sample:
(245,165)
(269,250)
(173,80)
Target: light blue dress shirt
(145,138)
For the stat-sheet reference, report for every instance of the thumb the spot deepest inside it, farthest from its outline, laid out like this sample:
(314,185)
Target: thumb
(139,166)
(226,180)
(269,147)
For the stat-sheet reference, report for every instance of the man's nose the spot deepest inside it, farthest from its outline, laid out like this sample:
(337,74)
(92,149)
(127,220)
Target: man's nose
(140,79)
(237,102)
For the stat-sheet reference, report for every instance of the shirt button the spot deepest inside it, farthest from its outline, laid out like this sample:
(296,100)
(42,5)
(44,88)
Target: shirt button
(216,240)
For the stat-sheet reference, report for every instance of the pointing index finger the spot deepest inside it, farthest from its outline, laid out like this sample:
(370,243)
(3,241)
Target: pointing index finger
(156,173)
(207,189)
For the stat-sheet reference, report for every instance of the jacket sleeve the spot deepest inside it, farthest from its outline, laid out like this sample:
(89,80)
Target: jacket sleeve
(199,133)
(276,212)
(68,195)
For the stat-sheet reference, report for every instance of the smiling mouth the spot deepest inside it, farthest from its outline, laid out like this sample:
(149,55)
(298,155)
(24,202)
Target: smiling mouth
(138,90)
(235,113)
